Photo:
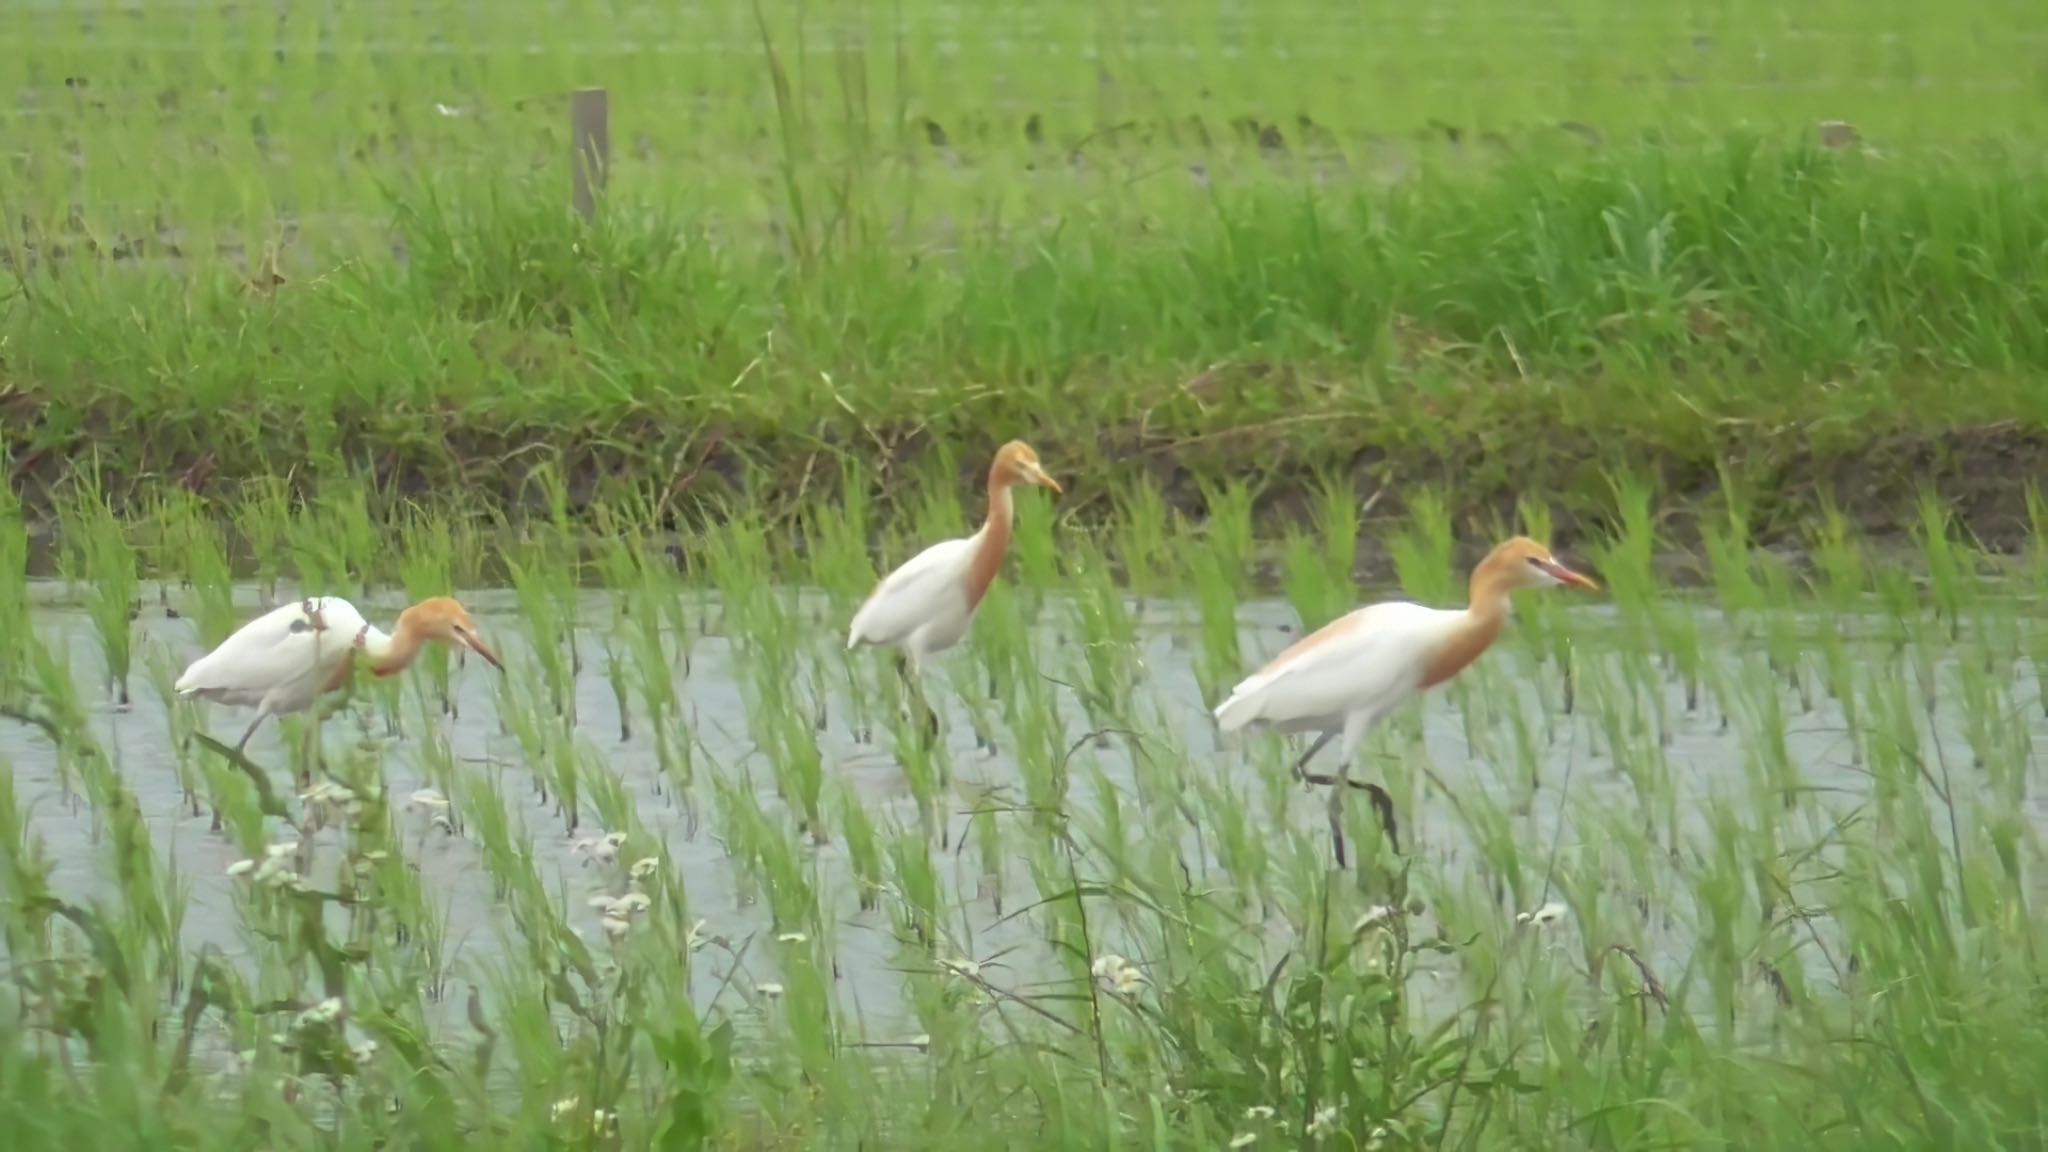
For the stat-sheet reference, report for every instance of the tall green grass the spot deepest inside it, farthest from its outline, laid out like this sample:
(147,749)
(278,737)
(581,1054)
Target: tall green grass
(1784,311)
(1751,865)
(789,265)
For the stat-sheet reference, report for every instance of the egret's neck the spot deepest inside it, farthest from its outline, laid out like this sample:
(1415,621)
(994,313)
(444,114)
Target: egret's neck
(1490,599)
(395,651)
(1484,616)
(992,542)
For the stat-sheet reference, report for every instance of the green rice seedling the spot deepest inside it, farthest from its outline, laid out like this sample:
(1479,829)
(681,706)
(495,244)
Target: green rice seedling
(1315,596)
(1041,748)
(858,835)
(98,555)
(263,517)
(1108,637)
(998,663)
(26,867)
(1626,565)
(776,858)
(320,537)
(204,559)
(835,539)
(1215,564)
(540,736)
(1141,548)
(541,586)
(15,620)
(1947,583)
(1335,523)
(917,907)
(773,635)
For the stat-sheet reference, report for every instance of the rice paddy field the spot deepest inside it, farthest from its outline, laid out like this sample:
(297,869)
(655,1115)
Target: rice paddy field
(1305,304)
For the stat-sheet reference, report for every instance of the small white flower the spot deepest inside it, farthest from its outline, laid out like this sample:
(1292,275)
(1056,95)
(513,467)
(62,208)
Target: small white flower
(276,871)
(792,938)
(280,850)
(604,852)
(1243,1139)
(428,798)
(614,927)
(644,867)
(616,840)
(325,1012)
(1323,1122)
(241,867)
(601,901)
(696,938)
(771,991)
(327,792)
(363,1050)
(1258,1112)
(563,1107)
(629,905)
(1377,1138)
(1550,913)
(1122,976)
(1373,915)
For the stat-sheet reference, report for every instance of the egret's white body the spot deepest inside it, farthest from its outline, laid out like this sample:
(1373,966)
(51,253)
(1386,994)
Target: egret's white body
(1352,673)
(927,604)
(1348,676)
(282,661)
(286,659)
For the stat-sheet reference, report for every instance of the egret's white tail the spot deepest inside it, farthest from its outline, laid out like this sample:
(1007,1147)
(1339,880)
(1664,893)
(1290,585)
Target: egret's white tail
(192,680)
(1242,707)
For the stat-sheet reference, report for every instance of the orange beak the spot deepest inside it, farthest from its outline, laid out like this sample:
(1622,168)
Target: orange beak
(477,645)
(1567,576)
(1049,482)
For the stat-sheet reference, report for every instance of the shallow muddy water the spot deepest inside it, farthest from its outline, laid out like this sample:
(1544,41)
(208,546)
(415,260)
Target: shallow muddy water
(1567,769)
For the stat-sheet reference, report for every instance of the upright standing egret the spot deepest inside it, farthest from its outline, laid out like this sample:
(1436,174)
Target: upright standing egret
(1353,672)
(286,659)
(925,606)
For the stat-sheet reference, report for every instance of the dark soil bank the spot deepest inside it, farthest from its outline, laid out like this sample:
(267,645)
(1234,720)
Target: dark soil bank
(1786,478)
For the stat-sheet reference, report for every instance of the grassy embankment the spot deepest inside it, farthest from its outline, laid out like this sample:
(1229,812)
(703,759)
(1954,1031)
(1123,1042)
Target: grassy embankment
(874,253)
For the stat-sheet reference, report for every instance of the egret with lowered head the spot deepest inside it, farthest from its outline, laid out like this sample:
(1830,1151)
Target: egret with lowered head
(926,605)
(286,659)
(1353,672)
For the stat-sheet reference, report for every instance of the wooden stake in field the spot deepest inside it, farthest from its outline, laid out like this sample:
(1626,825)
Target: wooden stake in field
(590,137)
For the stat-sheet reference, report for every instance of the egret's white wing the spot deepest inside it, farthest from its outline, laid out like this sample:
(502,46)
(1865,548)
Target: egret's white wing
(907,597)
(277,648)
(1362,659)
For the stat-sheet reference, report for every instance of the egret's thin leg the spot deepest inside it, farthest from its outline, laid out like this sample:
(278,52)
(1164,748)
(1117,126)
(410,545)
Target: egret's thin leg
(243,743)
(911,681)
(1301,765)
(311,750)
